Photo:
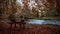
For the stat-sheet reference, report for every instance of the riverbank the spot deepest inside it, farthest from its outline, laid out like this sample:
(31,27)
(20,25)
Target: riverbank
(46,18)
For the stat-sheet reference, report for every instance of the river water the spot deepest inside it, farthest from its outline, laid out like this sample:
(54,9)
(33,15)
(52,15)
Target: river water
(55,22)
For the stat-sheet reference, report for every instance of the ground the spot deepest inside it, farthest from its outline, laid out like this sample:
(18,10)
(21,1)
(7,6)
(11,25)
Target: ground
(34,29)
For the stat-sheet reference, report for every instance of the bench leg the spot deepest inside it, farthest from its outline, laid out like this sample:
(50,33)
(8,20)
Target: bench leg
(23,26)
(20,25)
(14,25)
(10,26)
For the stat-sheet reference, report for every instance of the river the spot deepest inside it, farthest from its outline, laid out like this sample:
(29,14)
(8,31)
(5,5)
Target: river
(55,22)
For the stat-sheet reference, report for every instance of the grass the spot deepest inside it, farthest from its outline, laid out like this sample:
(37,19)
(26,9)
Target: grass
(46,18)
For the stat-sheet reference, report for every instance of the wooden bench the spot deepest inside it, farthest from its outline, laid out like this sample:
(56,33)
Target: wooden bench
(21,24)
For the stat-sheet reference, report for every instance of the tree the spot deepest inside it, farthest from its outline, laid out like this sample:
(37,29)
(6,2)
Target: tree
(50,8)
(6,7)
(58,8)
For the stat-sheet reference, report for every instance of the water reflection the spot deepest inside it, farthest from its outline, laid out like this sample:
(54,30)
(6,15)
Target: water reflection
(56,22)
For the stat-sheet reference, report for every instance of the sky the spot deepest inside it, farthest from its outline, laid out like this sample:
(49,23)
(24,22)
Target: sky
(30,4)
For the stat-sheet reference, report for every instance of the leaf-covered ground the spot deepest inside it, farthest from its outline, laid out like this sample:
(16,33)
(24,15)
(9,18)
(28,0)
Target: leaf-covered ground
(34,29)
